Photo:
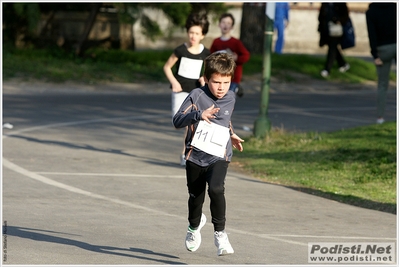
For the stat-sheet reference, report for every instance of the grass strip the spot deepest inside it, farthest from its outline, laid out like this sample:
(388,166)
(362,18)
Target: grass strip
(99,66)
(355,166)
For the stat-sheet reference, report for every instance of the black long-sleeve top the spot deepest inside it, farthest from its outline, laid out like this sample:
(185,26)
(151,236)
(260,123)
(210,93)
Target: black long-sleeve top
(381,25)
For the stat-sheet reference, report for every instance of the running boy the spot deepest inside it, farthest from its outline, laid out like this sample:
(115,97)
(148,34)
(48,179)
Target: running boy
(207,112)
(235,47)
(188,58)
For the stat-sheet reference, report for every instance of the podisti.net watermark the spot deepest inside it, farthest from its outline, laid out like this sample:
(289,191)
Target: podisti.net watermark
(372,252)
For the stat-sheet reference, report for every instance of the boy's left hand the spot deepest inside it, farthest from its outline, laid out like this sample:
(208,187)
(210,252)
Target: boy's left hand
(236,142)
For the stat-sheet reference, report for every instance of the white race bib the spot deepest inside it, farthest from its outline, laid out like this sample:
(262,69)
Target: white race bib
(211,138)
(190,68)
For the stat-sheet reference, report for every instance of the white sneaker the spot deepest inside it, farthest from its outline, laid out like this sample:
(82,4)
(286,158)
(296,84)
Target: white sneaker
(324,73)
(222,243)
(182,160)
(344,68)
(380,120)
(193,237)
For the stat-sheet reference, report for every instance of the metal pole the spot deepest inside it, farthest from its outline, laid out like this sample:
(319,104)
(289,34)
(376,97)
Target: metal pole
(262,124)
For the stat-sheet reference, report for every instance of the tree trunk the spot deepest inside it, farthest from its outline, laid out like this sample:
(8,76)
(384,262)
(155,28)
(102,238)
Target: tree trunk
(126,37)
(89,24)
(252,26)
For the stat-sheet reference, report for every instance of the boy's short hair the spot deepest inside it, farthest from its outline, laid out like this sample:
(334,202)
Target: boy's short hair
(219,63)
(225,15)
(198,19)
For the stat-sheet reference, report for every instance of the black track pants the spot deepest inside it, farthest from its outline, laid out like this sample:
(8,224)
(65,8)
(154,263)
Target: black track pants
(197,178)
(334,54)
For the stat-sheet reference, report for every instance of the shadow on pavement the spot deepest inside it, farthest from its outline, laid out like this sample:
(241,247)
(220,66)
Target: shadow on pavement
(345,199)
(44,236)
(155,161)
(348,199)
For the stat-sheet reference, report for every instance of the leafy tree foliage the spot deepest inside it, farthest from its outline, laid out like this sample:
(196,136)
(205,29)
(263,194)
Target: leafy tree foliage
(20,20)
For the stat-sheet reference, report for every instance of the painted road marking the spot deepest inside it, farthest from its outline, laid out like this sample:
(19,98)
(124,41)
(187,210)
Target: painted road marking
(38,177)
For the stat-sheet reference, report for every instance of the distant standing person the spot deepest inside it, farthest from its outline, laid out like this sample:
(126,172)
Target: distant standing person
(281,20)
(332,13)
(382,27)
(233,46)
(210,140)
(188,58)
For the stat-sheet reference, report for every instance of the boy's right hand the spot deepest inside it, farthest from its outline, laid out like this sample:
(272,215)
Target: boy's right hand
(208,113)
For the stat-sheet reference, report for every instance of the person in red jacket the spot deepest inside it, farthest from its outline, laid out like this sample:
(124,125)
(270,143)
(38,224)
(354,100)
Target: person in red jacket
(233,46)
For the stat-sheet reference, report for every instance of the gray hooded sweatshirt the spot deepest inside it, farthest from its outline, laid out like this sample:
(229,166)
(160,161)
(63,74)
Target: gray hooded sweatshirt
(189,115)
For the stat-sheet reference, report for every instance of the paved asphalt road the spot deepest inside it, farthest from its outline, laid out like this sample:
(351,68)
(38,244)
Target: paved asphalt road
(93,178)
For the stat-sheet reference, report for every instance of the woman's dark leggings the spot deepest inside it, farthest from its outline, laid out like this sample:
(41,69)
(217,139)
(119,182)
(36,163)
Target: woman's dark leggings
(197,177)
(334,54)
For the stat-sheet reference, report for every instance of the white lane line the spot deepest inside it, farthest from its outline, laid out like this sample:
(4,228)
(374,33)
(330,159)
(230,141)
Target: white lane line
(45,180)
(48,181)
(62,124)
(112,174)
